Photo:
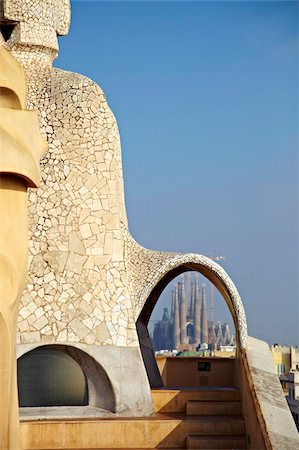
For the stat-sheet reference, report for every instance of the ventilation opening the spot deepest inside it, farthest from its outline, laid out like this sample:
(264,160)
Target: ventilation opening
(50,377)
(6,30)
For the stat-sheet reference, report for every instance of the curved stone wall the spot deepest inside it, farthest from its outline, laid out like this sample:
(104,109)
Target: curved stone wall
(88,279)
(151,271)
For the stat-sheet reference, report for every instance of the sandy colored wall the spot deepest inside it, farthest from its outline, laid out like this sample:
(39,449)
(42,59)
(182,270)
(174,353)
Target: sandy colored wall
(267,415)
(176,371)
(254,433)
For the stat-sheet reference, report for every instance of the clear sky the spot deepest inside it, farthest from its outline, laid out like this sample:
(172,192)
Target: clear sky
(206,98)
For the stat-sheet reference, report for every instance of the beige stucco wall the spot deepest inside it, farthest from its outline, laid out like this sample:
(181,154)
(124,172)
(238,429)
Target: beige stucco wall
(265,410)
(183,371)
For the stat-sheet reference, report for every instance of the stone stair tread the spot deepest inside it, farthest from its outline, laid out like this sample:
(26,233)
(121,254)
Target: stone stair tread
(214,430)
(212,442)
(157,417)
(212,401)
(197,388)
(200,417)
(212,407)
(176,400)
(217,438)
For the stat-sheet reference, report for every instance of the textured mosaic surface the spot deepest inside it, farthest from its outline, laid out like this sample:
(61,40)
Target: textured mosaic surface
(88,279)
(277,422)
(147,268)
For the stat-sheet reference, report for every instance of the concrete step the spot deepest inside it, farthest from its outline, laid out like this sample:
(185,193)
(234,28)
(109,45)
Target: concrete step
(215,442)
(103,433)
(166,431)
(174,400)
(195,407)
(216,425)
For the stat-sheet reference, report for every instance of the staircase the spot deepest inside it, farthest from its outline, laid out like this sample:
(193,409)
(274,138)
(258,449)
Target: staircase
(212,416)
(192,418)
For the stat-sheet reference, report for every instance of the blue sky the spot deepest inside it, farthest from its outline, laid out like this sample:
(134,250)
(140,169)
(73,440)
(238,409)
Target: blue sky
(206,95)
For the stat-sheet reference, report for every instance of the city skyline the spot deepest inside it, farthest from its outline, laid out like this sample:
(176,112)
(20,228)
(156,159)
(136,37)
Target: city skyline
(221,311)
(210,91)
(189,321)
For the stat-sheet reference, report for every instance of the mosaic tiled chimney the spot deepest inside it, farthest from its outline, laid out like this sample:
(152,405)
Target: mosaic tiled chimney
(89,282)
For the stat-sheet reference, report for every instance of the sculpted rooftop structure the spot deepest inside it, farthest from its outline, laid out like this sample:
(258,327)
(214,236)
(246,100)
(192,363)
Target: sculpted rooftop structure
(91,288)
(21,147)
(88,279)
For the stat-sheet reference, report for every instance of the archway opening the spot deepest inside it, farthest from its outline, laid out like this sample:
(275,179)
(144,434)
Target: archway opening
(191,318)
(187,324)
(63,375)
(50,377)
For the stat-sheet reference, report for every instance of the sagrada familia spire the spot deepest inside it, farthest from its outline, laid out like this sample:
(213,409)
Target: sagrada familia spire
(188,325)
(204,316)
(176,319)
(183,317)
(197,312)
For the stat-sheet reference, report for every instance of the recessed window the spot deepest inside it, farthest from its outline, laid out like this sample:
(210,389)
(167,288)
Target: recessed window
(50,377)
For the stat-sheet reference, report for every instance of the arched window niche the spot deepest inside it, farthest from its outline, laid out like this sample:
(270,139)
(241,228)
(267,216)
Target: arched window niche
(62,375)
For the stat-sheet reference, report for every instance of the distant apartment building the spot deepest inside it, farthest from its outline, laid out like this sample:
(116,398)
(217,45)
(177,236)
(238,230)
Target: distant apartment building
(293,396)
(187,327)
(285,358)
(282,358)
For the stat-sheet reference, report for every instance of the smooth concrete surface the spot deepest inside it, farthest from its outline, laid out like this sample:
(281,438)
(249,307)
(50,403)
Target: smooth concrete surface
(214,442)
(161,431)
(125,376)
(148,355)
(264,413)
(175,400)
(184,371)
(250,411)
(267,403)
(165,401)
(13,263)
(21,147)
(63,413)
(91,428)
(119,433)
(196,407)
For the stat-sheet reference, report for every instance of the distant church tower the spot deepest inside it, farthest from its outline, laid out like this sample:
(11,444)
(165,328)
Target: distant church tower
(176,318)
(191,306)
(212,334)
(219,335)
(183,312)
(204,316)
(197,308)
(172,305)
(187,326)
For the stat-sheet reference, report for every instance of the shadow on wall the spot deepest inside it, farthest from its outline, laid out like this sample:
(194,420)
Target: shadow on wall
(61,375)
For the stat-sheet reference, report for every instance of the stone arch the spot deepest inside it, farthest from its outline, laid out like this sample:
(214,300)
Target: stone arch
(99,387)
(166,273)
